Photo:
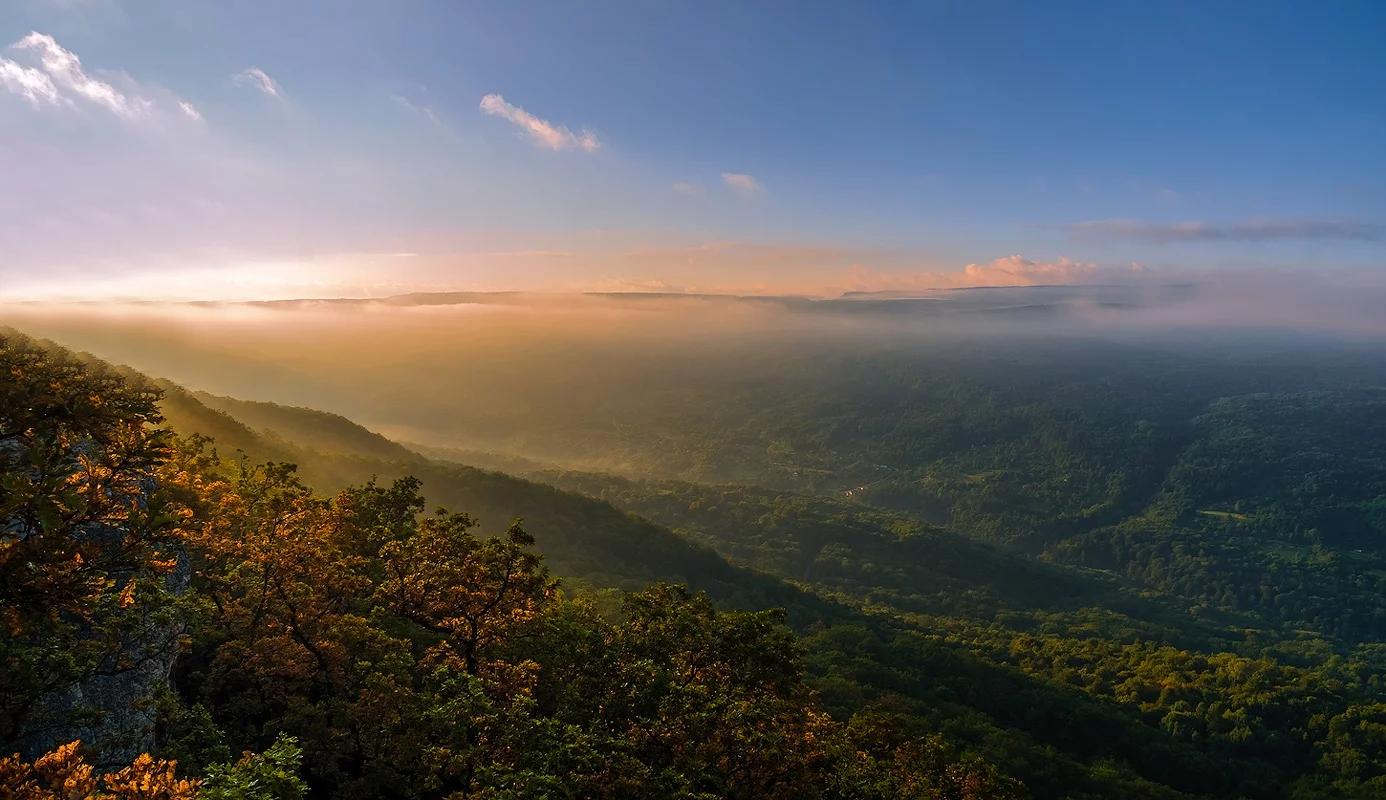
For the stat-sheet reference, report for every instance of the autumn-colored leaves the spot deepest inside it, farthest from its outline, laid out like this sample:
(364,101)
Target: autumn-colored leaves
(64,774)
(410,655)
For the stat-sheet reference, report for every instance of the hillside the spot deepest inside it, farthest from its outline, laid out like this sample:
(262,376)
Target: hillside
(365,649)
(1029,656)
(310,429)
(1078,682)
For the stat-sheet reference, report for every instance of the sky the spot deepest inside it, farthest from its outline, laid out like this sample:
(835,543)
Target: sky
(312,148)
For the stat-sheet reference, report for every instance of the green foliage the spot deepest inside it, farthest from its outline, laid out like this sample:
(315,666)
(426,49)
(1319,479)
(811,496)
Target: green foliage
(271,775)
(1119,682)
(86,538)
(1208,640)
(1100,571)
(306,428)
(412,658)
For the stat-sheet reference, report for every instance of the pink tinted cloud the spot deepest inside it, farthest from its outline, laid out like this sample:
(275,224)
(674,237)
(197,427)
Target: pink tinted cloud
(1012,270)
(743,185)
(541,132)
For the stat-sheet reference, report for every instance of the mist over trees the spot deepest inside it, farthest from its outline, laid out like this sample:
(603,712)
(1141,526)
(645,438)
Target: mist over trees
(1017,549)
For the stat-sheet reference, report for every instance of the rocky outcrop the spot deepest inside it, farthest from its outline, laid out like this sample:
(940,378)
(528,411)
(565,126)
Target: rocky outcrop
(111,710)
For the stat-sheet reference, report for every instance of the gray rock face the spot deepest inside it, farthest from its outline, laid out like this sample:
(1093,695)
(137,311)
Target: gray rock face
(111,711)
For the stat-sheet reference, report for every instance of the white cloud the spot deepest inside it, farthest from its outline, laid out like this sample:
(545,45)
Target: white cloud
(55,77)
(59,79)
(32,84)
(257,78)
(744,185)
(687,188)
(543,133)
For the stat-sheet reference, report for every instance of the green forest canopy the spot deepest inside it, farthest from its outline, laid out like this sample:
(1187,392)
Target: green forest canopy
(1150,650)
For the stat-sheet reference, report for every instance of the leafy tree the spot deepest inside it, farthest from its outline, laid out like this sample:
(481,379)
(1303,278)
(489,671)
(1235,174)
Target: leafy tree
(272,775)
(64,774)
(87,539)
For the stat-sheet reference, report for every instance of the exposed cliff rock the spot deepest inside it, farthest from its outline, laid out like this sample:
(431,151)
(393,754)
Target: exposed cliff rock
(112,711)
(89,566)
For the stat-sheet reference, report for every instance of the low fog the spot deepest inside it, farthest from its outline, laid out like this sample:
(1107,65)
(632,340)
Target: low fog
(596,380)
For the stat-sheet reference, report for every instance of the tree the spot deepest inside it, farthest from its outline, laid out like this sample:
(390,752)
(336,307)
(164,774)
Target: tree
(473,591)
(87,539)
(64,774)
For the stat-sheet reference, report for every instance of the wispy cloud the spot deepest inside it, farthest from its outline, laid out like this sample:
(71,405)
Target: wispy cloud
(65,69)
(541,132)
(258,79)
(1245,231)
(426,112)
(688,188)
(60,80)
(29,83)
(743,185)
(54,77)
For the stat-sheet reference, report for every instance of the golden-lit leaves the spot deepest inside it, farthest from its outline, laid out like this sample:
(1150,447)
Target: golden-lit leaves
(411,657)
(150,779)
(64,770)
(83,518)
(358,621)
(476,591)
(64,775)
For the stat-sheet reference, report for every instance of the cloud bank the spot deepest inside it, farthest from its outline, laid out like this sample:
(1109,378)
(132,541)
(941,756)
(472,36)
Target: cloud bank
(541,132)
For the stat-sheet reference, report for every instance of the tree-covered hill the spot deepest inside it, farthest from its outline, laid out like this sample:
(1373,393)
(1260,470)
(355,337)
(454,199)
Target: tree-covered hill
(1008,635)
(308,428)
(1228,686)
(1079,682)
(382,651)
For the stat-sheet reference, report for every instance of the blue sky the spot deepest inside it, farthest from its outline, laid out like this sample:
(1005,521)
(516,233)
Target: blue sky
(344,147)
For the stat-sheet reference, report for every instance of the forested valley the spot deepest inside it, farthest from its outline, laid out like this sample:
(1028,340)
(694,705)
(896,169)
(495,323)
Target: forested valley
(1052,568)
